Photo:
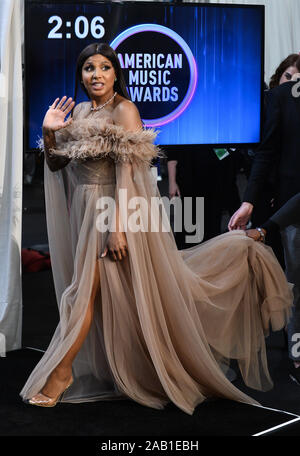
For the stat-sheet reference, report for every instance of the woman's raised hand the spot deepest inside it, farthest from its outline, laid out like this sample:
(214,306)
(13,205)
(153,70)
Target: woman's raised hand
(55,116)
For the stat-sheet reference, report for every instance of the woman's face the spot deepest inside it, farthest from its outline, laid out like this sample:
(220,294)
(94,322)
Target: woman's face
(288,74)
(98,76)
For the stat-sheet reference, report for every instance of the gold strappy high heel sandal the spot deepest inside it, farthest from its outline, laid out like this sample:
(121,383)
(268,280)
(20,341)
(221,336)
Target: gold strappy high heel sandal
(48,402)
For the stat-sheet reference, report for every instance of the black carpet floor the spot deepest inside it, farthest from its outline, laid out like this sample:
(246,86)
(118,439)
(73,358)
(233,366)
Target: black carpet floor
(123,417)
(126,418)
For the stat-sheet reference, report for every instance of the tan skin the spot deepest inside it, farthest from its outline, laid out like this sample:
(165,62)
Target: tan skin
(98,76)
(288,74)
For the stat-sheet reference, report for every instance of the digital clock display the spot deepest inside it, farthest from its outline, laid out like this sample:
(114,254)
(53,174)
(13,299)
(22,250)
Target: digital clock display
(195,71)
(81,26)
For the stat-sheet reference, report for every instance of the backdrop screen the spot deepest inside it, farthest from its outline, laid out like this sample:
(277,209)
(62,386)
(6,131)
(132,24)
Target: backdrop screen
(195,71)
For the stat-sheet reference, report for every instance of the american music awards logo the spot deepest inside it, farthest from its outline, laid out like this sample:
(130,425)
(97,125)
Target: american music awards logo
(160,71)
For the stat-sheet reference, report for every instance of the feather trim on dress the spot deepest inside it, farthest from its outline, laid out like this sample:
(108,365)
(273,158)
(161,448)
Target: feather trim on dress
(94,138)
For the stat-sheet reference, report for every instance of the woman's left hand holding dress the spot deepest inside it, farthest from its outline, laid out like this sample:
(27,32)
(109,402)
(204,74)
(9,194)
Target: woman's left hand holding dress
(127,116)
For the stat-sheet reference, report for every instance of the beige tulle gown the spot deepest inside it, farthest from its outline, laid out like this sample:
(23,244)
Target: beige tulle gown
(166,322)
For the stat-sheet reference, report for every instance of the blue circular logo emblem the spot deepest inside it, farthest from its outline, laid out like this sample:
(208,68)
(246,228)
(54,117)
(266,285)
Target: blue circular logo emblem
(160,71)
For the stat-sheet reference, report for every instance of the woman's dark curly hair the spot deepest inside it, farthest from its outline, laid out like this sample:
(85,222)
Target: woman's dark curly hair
(105,50)
(291,60)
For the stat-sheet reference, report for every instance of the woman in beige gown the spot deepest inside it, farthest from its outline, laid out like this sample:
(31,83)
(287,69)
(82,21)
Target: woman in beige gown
(138,318)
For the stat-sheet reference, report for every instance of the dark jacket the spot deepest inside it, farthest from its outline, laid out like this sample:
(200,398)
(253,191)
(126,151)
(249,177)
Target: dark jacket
(288,214)
(280,143)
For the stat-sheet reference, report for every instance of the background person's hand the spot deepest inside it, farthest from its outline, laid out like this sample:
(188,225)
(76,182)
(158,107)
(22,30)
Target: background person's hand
(55,116)
(241,217)
(173,190)
(116,246)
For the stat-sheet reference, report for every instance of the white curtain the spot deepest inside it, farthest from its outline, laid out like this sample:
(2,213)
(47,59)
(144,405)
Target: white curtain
(11,161)
(282,31)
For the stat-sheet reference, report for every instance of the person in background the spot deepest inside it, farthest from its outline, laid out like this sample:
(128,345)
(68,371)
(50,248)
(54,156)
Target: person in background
(288,214)
(280,145)
(266,206)
(285,71)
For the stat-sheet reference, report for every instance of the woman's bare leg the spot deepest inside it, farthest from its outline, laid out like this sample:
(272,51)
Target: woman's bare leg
(61,375)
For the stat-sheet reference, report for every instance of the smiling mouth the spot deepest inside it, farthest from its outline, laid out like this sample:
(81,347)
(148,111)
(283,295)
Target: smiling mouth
(97,85)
